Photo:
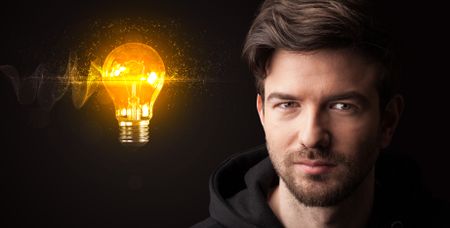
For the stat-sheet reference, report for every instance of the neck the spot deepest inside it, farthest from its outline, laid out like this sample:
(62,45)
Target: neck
(352,212)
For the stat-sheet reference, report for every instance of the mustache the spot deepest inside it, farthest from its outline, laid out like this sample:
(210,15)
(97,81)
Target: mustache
(313,153)
(321,154)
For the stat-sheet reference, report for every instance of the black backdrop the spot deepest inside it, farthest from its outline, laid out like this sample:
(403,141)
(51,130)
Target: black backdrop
(72,171)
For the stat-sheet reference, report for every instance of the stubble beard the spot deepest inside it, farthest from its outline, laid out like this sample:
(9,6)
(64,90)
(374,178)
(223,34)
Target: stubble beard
(321,190)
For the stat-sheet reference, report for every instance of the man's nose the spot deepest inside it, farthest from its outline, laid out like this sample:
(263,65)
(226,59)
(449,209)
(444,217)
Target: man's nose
(313,133)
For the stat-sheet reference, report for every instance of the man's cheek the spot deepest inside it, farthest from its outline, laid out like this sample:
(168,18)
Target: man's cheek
(278,146)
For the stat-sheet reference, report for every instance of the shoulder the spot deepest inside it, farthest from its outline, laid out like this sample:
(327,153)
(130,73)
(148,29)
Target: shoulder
(438,212)
(208,223)
(400,194)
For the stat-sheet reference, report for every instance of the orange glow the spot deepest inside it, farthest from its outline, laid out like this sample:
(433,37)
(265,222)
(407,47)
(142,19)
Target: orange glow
(133,75)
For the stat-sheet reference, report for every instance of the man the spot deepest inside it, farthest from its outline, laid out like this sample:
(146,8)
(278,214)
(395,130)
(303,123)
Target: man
(327,103)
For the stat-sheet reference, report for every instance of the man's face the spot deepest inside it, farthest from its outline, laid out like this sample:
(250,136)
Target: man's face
(322,122)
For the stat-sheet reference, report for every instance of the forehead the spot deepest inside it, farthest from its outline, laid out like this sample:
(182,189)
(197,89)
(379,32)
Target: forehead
(320,73)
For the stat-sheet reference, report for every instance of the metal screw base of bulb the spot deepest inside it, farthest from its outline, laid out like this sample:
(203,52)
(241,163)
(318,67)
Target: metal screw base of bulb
(135,135)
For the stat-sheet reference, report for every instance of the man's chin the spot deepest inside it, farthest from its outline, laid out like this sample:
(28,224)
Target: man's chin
(317,191)
(319,197)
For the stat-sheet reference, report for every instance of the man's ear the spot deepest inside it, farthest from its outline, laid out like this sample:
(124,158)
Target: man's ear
(260,108)
(390,119)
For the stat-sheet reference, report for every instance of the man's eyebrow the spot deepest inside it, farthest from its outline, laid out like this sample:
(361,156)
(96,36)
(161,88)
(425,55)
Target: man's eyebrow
(351,95)
(281,96)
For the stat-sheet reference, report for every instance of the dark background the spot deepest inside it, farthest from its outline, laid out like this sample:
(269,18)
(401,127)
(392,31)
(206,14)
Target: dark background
(72,171)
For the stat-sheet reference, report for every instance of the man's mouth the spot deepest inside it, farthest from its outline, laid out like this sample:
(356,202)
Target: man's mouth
(314,167)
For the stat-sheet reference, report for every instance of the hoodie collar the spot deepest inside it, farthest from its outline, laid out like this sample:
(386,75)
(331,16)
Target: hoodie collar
(239,191)
(240,185)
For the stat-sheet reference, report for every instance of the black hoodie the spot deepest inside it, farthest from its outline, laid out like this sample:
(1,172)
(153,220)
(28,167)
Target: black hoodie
(239,189)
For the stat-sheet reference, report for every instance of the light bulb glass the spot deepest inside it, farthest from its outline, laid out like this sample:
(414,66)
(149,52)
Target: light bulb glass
(133,74)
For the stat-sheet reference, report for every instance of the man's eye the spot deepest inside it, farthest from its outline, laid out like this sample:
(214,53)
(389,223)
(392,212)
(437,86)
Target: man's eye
(343,107)
(288,105)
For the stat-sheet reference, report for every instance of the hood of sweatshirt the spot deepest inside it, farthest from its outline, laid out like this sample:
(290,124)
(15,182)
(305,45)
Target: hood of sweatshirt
(240,186)
(239,189)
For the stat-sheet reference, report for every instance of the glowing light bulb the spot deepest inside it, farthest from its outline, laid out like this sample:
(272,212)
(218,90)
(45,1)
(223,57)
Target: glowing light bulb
(133,74)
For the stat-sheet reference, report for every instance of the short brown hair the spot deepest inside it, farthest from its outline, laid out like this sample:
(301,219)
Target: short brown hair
(309,25)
